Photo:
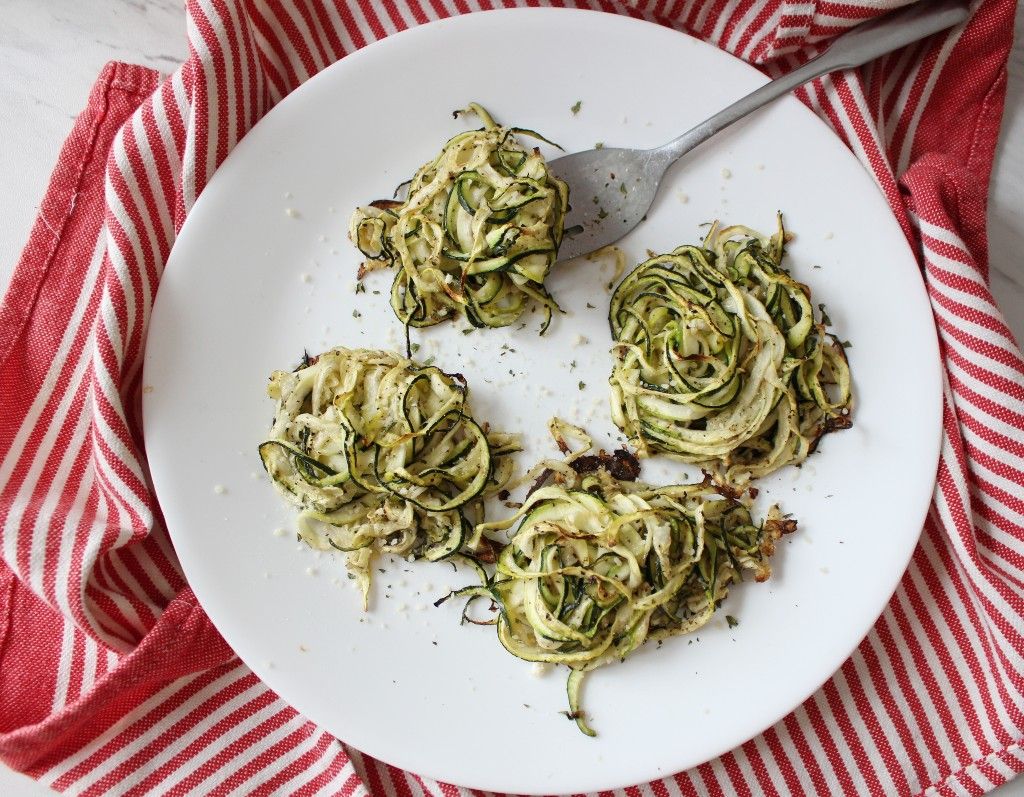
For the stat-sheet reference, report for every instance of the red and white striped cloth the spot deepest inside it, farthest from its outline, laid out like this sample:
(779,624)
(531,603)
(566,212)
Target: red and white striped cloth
(112,679)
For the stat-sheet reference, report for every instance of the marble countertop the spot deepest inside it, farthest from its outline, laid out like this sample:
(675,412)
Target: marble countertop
(50,53)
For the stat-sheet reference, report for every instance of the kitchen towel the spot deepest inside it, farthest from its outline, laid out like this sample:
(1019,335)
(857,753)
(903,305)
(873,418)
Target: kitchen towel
(112,678)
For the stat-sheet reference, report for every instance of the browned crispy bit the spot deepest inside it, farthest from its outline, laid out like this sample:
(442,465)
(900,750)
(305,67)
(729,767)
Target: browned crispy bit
(362,271)
(774,528)
(626,466)
(622,464)
(837,423)
(586,464)
(834,424)
(503,495)
(540,482)
(487,551)
(721,486)
(386,204)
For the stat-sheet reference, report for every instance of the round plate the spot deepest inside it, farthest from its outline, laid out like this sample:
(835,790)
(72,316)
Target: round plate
(262,270)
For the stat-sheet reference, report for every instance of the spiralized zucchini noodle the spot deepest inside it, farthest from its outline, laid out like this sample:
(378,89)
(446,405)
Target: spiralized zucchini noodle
(476,235)
(719,360)
(599,564)
(382,455)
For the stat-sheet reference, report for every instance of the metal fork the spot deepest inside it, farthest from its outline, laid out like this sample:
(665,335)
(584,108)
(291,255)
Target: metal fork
(641,170)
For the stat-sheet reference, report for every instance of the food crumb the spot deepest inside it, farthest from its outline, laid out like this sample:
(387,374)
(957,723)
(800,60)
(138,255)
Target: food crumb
(306,276)
(829,236)
(726,173)
(311,571)
(539,669)
(683,198)
(220,489)
(291,213)
(580,340)
(147,388)
(280,532)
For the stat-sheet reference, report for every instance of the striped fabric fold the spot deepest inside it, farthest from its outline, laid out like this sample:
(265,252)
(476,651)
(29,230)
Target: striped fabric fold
(113,680)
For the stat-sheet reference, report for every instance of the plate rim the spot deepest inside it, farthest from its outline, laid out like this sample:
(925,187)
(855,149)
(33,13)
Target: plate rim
(640,24)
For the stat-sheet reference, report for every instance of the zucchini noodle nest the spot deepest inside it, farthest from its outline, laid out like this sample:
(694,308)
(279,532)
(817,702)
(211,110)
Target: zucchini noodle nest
(719,359)
(598,565)
(478,233)
(383,456)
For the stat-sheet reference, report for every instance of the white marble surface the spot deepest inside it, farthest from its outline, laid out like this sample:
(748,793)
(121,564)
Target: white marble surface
(51,50)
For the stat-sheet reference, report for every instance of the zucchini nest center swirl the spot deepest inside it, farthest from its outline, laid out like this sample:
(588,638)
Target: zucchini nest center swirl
(719,360)
(476,235)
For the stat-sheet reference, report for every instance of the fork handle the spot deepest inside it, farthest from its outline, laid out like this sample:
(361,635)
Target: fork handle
(860,45)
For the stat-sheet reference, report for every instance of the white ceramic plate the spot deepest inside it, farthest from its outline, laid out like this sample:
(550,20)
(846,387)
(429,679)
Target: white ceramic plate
(249,286)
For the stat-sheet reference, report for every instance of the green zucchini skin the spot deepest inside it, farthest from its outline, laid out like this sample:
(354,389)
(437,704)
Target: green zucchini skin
(477,234)
(382,455)
(719,360)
